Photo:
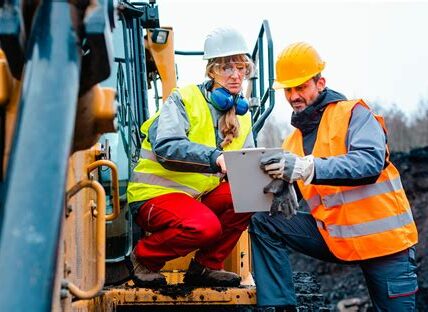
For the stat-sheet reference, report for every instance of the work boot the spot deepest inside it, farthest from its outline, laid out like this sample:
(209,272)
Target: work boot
(142,276)
(199,275)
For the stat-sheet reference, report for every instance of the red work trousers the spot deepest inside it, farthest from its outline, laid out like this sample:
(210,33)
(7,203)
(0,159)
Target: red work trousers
(179,224)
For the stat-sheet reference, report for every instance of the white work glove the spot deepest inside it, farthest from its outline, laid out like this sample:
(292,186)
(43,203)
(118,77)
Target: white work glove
(289,167)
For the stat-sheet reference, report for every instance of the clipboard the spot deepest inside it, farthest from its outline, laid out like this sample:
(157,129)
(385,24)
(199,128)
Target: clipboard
(247,179)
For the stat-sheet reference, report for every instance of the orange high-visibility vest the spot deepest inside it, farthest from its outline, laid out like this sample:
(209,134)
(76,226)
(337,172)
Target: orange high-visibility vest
(358,222)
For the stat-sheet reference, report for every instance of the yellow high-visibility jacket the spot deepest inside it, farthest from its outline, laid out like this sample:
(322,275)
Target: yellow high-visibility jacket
(150,179)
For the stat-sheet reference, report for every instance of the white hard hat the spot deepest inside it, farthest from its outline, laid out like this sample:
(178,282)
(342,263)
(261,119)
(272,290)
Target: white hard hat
(224,42)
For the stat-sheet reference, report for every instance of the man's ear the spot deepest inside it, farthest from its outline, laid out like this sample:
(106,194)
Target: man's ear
(321,84)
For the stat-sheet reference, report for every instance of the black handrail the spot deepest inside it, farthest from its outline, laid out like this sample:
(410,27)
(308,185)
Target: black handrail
(178,52)
(135,84)
(261,113)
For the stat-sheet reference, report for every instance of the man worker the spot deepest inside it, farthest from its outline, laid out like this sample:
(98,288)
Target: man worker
(358,213)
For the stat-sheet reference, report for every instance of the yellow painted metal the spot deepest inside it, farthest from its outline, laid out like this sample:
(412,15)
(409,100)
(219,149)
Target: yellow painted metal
(114,185)
(5,80)
(10,91)
(105,109)
(77,252)
(239,260)
(114,297)
(173,277)
(100,238)
(181,263)
(95,115)
(95,305)
(176,294)
(163,55)
(196,296)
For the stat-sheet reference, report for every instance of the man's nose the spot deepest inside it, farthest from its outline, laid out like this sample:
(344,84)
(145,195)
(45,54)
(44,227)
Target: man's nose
(293,94)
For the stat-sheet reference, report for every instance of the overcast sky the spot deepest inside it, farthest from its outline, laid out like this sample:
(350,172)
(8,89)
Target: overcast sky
(373,50)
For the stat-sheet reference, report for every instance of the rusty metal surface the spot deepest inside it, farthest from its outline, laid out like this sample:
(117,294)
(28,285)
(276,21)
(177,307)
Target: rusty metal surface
(169,295)
(178,294)
(77,250)
(100,239)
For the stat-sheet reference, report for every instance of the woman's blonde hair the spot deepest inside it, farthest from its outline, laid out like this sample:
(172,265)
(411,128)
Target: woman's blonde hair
(228,122)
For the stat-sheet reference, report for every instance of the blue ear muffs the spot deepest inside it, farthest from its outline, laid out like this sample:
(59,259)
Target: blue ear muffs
(241,105)
(223,100)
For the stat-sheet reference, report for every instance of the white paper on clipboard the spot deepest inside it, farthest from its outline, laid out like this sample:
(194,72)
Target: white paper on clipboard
(247,179)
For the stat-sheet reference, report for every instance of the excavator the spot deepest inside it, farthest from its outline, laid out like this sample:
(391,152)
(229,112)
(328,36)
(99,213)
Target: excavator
(77,80)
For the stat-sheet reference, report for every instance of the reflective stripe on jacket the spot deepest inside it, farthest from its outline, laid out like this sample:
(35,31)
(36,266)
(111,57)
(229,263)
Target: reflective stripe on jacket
(358,222)
(150,179)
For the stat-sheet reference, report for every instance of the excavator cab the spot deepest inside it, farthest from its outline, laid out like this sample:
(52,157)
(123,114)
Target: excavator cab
(70,112)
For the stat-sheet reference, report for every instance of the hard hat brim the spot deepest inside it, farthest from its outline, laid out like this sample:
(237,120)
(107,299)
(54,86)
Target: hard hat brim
(292,82)
(208,57)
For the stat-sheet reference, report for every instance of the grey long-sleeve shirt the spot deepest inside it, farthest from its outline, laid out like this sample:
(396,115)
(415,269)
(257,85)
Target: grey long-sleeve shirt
(365,159)
(169,138)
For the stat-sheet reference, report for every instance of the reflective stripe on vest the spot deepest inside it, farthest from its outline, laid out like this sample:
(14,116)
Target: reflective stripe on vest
(368,228)
(356,194)
(147,178)
(151,156)
(147,154)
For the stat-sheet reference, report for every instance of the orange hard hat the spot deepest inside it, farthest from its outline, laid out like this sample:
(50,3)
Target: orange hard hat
(296,64)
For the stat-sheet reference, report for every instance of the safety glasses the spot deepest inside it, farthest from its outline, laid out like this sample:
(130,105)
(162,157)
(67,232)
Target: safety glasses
(228,69)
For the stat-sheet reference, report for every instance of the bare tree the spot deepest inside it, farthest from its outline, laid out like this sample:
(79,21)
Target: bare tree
(419,125)
(405,133)
(399,138)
